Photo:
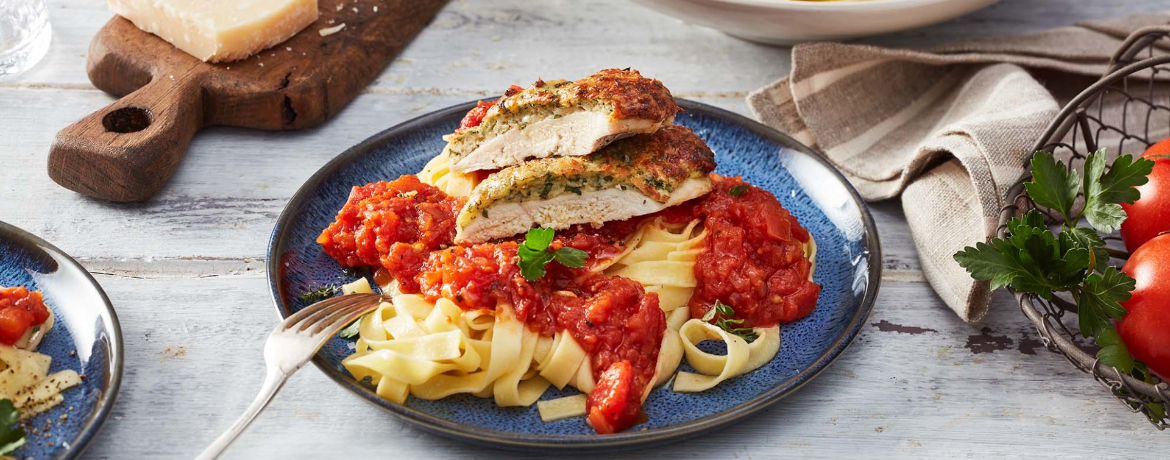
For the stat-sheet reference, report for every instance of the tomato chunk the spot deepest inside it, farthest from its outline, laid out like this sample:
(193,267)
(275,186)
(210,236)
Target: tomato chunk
(609,403)
(20,309)
(475,116)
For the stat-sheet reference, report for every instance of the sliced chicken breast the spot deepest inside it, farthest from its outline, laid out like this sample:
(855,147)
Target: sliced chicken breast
(559,118)
(635,176)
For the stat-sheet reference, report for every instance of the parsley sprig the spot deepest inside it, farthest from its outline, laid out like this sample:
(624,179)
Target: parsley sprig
(1035,260)
(534,254)
(728,322)
(12,436)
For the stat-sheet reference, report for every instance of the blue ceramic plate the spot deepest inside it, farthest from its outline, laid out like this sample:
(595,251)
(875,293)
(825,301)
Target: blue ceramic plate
(848,269)
(85,338)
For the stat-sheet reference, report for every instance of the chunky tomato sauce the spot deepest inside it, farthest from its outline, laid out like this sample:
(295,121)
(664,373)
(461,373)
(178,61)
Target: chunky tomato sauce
(475,116)
(408,228)
(393,225)
(20,309)
(754,259)
(613,319)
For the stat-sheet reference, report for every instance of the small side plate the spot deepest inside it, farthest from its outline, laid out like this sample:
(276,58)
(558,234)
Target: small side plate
(848,269)
(85,337)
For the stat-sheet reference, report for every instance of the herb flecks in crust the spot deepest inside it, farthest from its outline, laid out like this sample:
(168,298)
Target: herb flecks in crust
(654,164)
(623,94)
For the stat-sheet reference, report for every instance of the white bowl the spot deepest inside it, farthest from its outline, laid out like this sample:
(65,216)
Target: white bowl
(784,22)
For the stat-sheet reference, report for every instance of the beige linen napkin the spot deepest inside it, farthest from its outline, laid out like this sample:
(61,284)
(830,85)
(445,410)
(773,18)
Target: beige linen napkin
(949,128)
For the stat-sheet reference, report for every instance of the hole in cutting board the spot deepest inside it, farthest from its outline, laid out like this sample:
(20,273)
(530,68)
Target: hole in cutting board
(127,120)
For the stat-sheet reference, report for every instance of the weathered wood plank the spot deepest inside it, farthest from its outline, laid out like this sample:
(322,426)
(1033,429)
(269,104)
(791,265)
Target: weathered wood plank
(917,383)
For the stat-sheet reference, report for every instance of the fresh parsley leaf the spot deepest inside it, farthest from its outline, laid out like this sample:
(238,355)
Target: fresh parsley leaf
(532,262)
(534,254)
(539,238)
(1031,258)
(1099,300)
(1053,185)
(11,436)
(1085,238)
(352,331)
(738,190)
(319,294)
(1021,261)
(570,257)
(727,321)
(1113,351)
(1104,191)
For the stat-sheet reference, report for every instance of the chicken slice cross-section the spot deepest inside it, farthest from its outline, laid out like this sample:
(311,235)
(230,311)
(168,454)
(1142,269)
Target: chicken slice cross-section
(635,176)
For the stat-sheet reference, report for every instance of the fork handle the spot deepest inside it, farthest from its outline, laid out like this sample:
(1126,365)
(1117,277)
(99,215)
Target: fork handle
(273,380)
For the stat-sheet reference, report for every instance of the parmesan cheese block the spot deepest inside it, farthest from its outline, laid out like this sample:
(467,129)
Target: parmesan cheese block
(219,30)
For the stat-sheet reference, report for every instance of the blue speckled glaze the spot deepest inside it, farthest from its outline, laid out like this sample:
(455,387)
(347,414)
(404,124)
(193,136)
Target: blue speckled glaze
(85,338)
(847,268)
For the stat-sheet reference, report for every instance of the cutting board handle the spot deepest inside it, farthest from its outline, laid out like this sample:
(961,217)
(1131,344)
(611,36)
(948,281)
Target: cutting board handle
(127,151)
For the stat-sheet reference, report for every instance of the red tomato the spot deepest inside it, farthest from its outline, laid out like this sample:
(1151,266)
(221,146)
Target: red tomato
(475,116)
(609,399)
(1150,214)
(13,323)
(1145,328)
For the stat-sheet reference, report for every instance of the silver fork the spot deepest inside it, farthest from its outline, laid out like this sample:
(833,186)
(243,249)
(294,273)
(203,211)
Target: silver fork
(289,347)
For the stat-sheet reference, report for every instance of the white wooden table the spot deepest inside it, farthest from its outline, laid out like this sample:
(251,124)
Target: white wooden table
(186,270)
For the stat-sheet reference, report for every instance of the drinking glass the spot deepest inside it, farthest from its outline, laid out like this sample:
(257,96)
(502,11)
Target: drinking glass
(24,34)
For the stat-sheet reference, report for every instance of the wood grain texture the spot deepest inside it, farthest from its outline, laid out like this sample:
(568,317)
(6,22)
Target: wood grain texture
(185,271)
(296,84)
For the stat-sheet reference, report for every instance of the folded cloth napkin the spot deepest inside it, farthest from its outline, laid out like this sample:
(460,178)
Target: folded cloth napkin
(950,128)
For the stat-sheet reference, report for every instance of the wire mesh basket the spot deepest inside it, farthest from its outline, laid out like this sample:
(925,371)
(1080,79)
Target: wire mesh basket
(1124,112)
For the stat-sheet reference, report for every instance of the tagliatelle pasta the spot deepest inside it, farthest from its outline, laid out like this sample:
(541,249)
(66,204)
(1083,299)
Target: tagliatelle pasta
(662,258)
(713,369)
(431,351)
(599,298)
(410,346)
(25,377)
(438,173)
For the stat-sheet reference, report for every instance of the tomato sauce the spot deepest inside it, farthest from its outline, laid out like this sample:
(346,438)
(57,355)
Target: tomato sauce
(613,319)
(408,228)
(393,225)
(20,310)
(754,259)
(475,116)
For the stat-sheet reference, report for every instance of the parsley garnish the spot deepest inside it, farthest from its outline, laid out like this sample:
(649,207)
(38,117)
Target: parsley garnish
(353,272)
(534,254)
(11,437)
(351,331)
(1033,259)
(727,323)
(319,294)
(738,190)
(1055,186)
(1104,191)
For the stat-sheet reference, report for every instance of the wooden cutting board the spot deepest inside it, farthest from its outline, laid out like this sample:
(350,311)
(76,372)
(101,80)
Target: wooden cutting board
(128,150)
